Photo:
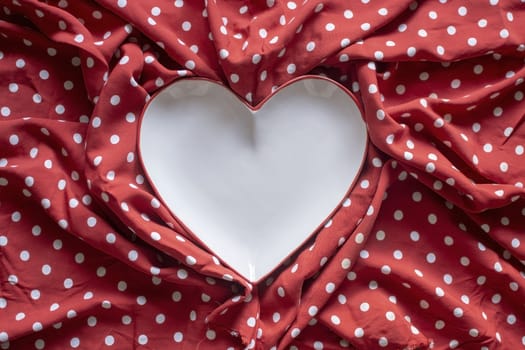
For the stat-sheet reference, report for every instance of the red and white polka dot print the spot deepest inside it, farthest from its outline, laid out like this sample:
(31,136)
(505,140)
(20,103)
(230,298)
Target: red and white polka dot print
(426,252)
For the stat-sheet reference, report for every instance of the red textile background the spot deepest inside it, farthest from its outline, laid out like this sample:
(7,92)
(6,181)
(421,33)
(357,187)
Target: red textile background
(427,251)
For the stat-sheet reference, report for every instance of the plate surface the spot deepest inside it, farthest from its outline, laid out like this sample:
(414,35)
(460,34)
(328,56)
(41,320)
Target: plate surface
(252,184)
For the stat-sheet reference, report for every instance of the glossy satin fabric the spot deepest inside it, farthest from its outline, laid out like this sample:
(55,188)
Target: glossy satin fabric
(425,252)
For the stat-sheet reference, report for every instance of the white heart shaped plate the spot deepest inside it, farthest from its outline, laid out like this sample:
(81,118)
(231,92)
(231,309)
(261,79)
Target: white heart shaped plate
(252,183)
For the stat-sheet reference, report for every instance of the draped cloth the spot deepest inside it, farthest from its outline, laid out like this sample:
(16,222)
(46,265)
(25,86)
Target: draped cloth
(426,251)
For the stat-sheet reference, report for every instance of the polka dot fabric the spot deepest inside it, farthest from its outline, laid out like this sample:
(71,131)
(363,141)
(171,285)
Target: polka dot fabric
(426,251)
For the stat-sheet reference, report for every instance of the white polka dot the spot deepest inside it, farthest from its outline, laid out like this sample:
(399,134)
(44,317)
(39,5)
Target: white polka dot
(310,46)
(511,319)
(79,38)
(431,258)
(109,340)
(4,337)
(223,53)
(68,283)
(133,255)
(481,280)
(13,139)
(182,274)
(234,78)
(178,337)
(77,138)
(348,14)
(330,287)
(473,332)
(312,310)
(359,332)
(13,87)
(295,332)
(60,109)
(335,320)
(190,260)
(111,238)
(440,292)
(142,339)
(256,58)
(398,254)
(46,203)
(91,222)
(382,11)
(44,74)
(37,326)
(344,42)
(251,322)
(458,312)
(190,64)
(115,100)
(20,63)
(20,316)
(390,316)
(398,215)
(155,11)
(37,98)
(364,307)
(155,236)
(126,319)
(16,216)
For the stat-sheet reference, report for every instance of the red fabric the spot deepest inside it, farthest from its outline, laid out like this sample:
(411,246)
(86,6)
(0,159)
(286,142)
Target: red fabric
(426,252)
